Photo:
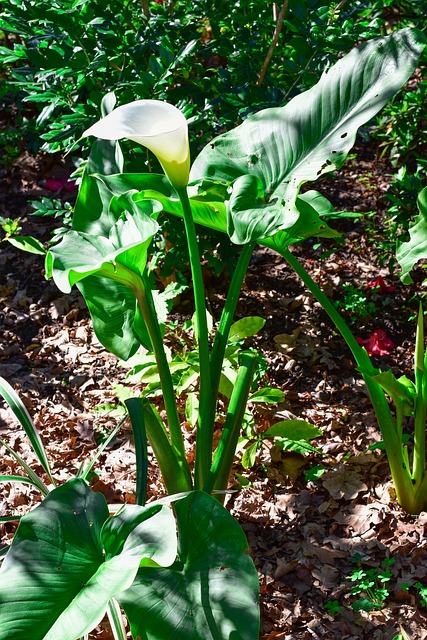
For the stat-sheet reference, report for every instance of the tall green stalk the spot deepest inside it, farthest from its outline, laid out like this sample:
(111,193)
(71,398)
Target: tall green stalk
(392,441)
(225,452)
(226,320)
(146,306)
(420,410)
(205,425)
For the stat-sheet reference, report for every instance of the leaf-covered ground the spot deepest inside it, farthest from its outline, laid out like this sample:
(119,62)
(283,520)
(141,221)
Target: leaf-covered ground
(305,536)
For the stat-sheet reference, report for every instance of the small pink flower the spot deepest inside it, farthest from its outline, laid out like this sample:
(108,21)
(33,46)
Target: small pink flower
(378,343)
(55,184)
(383,287)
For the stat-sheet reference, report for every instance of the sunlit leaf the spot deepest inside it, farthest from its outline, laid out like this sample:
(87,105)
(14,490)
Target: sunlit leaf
(267,158)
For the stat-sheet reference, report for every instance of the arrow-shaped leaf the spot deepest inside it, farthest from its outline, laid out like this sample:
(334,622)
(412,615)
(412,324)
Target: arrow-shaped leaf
(69,558)
(210,593)
(280,148)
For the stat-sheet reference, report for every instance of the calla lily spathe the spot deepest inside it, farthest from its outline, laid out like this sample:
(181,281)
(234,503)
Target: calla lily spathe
(157,125)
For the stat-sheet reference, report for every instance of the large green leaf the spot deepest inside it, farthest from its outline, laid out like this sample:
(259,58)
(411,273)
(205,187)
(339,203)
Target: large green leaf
(94,198)
(207,200)
(116,319)
(415,249)
(68,559)
(109,270)
(209,206)
(210,593)
(273,152)
(80,254)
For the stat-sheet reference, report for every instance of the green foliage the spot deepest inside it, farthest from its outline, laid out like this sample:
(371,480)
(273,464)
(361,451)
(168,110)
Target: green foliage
(272,153)
(84,558)
(288,435)
(60,59)
(402,196)
(70,562)
(332,607)
(185,367)
(68,54)
(401,128)
(415,248)
(371,585)
(211,560)
(355,302)
(246,182)
(11,229)
(248,185)
(422,592)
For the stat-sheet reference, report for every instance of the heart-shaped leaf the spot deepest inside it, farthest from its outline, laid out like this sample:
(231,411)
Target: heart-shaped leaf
(207,200)
(109,270)
(210,593)
(68,559)
(268,157)
(209,206)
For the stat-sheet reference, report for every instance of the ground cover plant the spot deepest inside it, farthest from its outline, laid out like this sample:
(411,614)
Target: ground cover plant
(253,196)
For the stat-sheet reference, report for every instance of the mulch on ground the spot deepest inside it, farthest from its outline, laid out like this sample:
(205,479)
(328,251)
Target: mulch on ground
(305,536)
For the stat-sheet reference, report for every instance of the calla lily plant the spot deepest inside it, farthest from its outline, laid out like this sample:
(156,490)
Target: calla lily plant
(245,183)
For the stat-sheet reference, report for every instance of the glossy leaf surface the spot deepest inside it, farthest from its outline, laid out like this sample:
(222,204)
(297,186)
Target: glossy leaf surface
(269,156)
(210,593)
(69,558)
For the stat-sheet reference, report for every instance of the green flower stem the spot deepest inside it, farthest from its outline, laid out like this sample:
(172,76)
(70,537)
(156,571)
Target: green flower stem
(393,445)
(136,415)
(163,447)
(116,620)
(176,479)
(205,425)
(146,306)
(226,449)
(419,457)
(227,316)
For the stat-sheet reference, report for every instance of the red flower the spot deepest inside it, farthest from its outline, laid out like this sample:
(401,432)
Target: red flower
(379,283)
(55,184)
(378,344)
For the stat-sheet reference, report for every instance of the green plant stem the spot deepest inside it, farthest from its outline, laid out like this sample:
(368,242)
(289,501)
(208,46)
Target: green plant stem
(419,457)
(393,445)
(176,480)
(136,415)
(225,451)
(227,316)
(146,306)
(205,425)
(116,620)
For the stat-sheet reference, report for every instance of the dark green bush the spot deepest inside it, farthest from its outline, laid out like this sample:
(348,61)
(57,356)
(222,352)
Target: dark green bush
(60,58)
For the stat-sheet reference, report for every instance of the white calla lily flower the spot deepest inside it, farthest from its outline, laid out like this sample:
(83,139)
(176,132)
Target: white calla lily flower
(157,125)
